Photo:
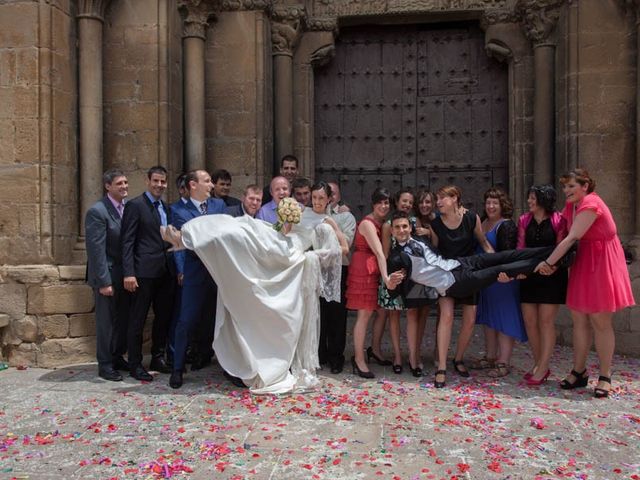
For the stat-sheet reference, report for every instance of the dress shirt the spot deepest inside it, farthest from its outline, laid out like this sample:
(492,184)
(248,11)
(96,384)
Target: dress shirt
(428,268)
(198,206)
(268,212)
(119,206)
(158,206)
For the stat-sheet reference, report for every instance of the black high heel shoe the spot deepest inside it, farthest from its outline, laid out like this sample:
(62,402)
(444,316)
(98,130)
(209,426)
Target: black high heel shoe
(360,373)
(416,372)
(397,369)
(601,392)
(459,371)
(581,380)
(380,361)
(441,384)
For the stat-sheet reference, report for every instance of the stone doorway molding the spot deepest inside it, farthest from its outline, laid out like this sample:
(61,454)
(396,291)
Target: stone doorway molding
(508,26)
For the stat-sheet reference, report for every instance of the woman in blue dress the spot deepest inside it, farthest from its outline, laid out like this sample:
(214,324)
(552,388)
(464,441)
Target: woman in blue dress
(499,305)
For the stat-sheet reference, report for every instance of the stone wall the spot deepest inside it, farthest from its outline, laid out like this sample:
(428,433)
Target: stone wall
(38,167)
(238,92)
(143,89)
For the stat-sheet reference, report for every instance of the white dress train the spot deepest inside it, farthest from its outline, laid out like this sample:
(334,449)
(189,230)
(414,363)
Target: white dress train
(268,315)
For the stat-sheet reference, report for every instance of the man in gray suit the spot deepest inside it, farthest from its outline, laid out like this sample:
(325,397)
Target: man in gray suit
(104,274)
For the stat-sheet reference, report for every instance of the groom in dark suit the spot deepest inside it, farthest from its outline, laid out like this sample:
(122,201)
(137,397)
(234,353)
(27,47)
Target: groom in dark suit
(199,291)
(104,274)
(149,272)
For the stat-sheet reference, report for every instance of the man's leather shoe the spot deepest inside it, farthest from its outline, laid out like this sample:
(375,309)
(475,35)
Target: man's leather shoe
(159,365)
(337,367)
(235,380)
(139,373)
(199,363)
(110,374)
(120,363)
(175,381)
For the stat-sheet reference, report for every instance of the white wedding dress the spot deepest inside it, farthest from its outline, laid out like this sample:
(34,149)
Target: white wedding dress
(268,315)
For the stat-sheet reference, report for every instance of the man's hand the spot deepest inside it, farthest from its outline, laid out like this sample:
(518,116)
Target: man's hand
(394,279)
(106,291)
(180,278)
(130,284)
(342,209)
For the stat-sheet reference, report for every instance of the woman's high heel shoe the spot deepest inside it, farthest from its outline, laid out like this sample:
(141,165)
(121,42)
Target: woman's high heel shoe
(416,372)
(441,384)
(380,361)
(581,380)
(533,382)
(456,366)
(360,373)
(397,368)
(601,392)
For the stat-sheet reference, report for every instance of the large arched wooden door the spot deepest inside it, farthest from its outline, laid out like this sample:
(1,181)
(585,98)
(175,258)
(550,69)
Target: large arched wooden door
(418,106)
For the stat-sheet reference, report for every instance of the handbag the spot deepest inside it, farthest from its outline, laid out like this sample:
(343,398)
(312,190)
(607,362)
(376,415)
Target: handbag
(568,258)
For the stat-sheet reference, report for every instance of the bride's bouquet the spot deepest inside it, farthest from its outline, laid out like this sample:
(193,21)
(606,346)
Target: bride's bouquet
(288,211)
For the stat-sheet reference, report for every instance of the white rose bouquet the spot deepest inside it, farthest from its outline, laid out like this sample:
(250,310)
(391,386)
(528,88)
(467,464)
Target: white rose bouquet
(288,211)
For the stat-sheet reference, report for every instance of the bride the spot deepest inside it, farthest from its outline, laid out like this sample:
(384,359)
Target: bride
(269,284)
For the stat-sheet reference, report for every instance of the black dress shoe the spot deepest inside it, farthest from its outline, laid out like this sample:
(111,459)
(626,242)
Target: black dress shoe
(175,381)
(120,363)
(159,365)
(139,373)
(110,374)
(199,363)
(337,366)
(235,380)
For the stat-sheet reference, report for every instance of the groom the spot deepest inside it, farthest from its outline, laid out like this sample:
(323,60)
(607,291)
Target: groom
(458,277)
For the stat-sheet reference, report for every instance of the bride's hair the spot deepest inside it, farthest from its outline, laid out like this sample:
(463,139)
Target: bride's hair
(322,186)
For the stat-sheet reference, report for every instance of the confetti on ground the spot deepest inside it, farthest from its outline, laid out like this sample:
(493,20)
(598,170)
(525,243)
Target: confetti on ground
(66,424)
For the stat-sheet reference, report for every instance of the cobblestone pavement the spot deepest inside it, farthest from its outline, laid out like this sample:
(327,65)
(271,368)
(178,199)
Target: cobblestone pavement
(68,424)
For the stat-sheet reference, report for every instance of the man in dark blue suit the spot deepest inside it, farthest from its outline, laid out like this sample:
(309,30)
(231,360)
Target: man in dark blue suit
(104,274)
(199,291)
(149,272)
(250,204)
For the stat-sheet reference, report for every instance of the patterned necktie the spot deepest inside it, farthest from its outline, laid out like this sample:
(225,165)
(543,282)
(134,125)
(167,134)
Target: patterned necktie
(203,208)
(120,209)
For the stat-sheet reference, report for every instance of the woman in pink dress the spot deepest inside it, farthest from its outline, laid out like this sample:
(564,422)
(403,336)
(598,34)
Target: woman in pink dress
(599,282)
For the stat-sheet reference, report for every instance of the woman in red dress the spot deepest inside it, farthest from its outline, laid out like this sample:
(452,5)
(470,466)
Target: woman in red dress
(599,282)
(368,263)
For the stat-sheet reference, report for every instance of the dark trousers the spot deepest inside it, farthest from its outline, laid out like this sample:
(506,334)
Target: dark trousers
(479,271)
(177,304)
(159,292)
(333,326)
(196,321)
(112,315)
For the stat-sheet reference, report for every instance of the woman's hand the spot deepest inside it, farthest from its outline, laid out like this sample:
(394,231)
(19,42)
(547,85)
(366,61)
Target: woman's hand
(544,268)
(393,280)
(423,231)
(504,278)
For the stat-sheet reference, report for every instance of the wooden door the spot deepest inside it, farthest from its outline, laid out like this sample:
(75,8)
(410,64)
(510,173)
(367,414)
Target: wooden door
(411,106)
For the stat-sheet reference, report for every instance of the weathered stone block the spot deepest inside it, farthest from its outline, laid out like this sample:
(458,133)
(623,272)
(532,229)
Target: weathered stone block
(628,344)
(25,354)
(26,328)
(4,320)
(54,326)
(14,299)
(60,299)
(72,272)
(19,24)
(66,351)
(564,317)
(30,273)
(82,325)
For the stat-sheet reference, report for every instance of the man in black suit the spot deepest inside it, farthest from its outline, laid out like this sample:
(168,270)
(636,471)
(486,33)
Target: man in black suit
(149,272)
(104,274)
(251,201)
(221,180)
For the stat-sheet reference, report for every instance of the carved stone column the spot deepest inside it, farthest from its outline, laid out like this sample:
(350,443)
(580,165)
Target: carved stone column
(505,41)
(196,17)
(286,23)
(633,6)
(90,20)
(539,18)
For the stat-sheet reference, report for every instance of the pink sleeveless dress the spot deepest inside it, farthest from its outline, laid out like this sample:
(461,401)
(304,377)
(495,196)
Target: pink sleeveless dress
(598,279)
(362,282)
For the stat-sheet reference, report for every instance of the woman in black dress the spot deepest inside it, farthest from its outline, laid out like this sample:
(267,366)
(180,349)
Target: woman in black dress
(541,296)
(456,232)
